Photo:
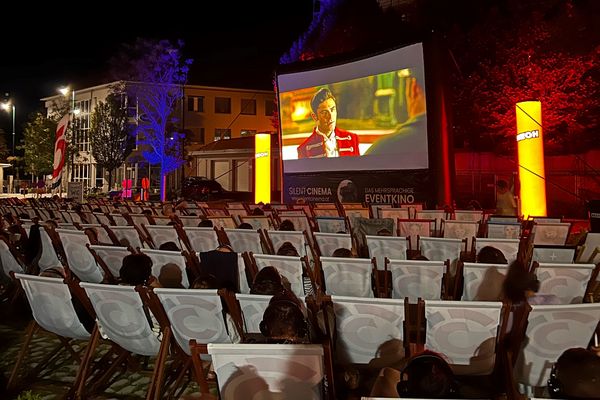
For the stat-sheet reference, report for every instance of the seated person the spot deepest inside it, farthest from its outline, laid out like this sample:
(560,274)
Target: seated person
(268,281)
(521,285)
(284,321)
(170,276)
(342,252)
(245,225)
(169,246)
(575,375)
(287,249)
(286,225)
(491,255)
(136,270)
(222,263)
(205,223)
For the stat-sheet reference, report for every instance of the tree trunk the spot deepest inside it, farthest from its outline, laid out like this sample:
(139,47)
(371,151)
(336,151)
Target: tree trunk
(110,175)
(163,184)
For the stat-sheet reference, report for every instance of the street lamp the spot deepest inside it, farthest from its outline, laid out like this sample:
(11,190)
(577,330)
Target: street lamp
(6,107)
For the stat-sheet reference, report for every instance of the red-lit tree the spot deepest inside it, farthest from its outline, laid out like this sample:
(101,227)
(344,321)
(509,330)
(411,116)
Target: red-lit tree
(521,55)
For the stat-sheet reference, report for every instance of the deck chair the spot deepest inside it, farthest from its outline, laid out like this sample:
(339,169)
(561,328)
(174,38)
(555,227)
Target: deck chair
(468,215)
(258,221)
(415,228)
(363,325)
(199,239)
(480,282)
(568,282)
(49,256)
(465,332)
(110,257)
(128,236)
(80,260)
(326,212)
(508,247)
(119,219)
(268,371)
(301,222)
(382,247)
(418,279)
(10,262)
(441,249)
(553,254)
(550,233)
(393,213)
(331,224)
(327,243)
(298,238)
(592,241)
(139,219)
(102,218)
(100,233)
(223,221)
(355,277)
(242,240)
(53,311)
(252,307)
(123,319)
(159,234)
(551,329)
(361,227)
(292,268)
(503,230)
(189,221)
(162,257)
(437,215)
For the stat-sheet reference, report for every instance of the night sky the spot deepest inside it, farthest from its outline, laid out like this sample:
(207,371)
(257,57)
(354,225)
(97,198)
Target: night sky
(232,45)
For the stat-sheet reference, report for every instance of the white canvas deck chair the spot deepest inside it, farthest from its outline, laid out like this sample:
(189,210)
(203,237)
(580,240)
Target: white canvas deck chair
(508,247)
(480,282)
(200,239)
(441,249)
(8,263)
(552,329)
(49,257)
(585,254)
(465,332)
(159,234)
(382,247)
(362,325)
(53,311)
(111,257)
(292,268)
(258,221)
(326,212)
(331,224)
(242,240)
(80,260)
(568,282)
(393,213)
(413,229)
(503,230)
(437,215)
(189,221)
(553,254)
(327,243)
(102,218)
(224,221)
(101,234)
(119,219)
(162,257)
(465,230)
(128,236)
(550,233)
(124,321)
(298,238)
(468,215)
(268,371)
(253,307)
(347,276)
(417,279)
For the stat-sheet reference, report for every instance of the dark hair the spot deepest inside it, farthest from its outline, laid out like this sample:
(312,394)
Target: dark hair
(491,255)
(169,246)
(429,376)
(342,252)
(283,320)
(419,257)
(384,232)
(502,184)
(287,249)
(170,276)
(286,225)
(319,97)
(136,269)
(575,375)
(267,281)
(518,281)
(205,223)
(258,211)
(245,225)
(208,281)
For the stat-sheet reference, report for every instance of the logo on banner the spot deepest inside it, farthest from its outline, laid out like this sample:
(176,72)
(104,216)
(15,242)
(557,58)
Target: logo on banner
(528,135)
(59,151)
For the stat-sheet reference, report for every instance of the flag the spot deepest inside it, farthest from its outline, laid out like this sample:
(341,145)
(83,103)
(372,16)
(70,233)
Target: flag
(59,151)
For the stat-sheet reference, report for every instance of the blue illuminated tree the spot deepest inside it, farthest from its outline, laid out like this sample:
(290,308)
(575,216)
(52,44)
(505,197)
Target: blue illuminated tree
(156,74)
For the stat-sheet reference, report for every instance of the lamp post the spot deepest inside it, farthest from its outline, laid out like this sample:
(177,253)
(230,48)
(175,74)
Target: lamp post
(7,106)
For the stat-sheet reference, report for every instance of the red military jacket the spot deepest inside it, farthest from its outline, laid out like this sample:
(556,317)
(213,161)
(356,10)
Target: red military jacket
(314,146)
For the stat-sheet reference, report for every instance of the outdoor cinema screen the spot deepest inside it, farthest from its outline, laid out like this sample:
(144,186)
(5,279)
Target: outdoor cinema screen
(368,114)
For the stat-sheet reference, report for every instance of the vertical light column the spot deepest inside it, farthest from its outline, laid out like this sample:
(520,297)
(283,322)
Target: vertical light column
(530,145)
(262,168)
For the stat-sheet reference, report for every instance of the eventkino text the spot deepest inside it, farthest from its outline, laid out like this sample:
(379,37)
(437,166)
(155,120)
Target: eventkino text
(387,195)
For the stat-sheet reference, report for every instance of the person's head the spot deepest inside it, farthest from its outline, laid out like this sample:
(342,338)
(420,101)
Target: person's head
(519,283)
(491,255)
(136,269)
(205,223)
(205,282)
(170,276)
(258,211)
(427,375)
(245,225)
(575,375)
(53,272)
(287,249)
(324,110)
(283,320)
(286,225)
(147,212)
(384,232)
(502,186)
(342,252)
(268,281)
(169,246)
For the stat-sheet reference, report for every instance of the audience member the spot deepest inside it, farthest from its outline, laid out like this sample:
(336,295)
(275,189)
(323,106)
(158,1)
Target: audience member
(222,263)
(491,255)
(205,223)
(245,225)
(575,375)
(286,225)
(136,270)
(258,211)
(287,249)
(283,321)
(521,285)
(169,246)
(205,282)
(170,276)
(268,281)
(342,252)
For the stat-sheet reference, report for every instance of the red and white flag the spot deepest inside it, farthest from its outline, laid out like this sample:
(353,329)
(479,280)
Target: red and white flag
(59,151)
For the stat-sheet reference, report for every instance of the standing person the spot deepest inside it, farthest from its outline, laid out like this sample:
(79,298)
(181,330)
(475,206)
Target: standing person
(505,200)
(327,140)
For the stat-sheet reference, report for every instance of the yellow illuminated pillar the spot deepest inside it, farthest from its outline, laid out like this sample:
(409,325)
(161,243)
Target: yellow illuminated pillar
(262,168)
(531,158)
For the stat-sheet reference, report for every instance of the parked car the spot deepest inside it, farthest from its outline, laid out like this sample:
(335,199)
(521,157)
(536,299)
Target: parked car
(203,189)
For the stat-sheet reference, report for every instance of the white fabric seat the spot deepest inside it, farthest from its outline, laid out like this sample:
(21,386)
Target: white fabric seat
(417,278)
(201,239)
(79,259)
(508,247)
(347,276)
(382,247)
(327,243)
(483,282)
(162,257)
(289,267)
(568,282)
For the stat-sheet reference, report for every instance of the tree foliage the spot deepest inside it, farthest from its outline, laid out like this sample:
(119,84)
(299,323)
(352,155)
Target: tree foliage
(159,74)
(39,135)
(519,55)
(109,133)
(4,151)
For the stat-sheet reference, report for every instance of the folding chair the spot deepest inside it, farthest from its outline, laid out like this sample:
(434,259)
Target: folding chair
(479,281)
(382,247)
(162,257)
(441,249)
(287,371)
(189,221)
(223,221)
(468,215)
(550,233)
(102,236)
(361,227)
(503,230)
(553,254)
(49,257)
(128,236)
(79,259)
(198,239)
(252,307)
(418,279)
(110,258)
(159,234)
(258,221)
(299,239)
(331,224)
(53,311)
(347,276)
(393,213)
(292,268)
(508,247)
(243,240)
(592,241)
(551,329)
(568,282)
(437,215)
(10,262)
(415,228)
(327,243)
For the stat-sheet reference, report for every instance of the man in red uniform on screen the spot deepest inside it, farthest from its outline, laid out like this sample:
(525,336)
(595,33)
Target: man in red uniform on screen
(327,140)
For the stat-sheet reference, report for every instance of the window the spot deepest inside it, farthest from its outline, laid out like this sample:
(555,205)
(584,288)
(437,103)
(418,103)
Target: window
(248,132)
(223,105)
(222,134)
(201,136)
(269,107)
(196,103)
(248,107)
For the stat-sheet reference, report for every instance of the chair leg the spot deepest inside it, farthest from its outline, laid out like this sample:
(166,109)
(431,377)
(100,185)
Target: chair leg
(154,390)
(31,330)
(82,372)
